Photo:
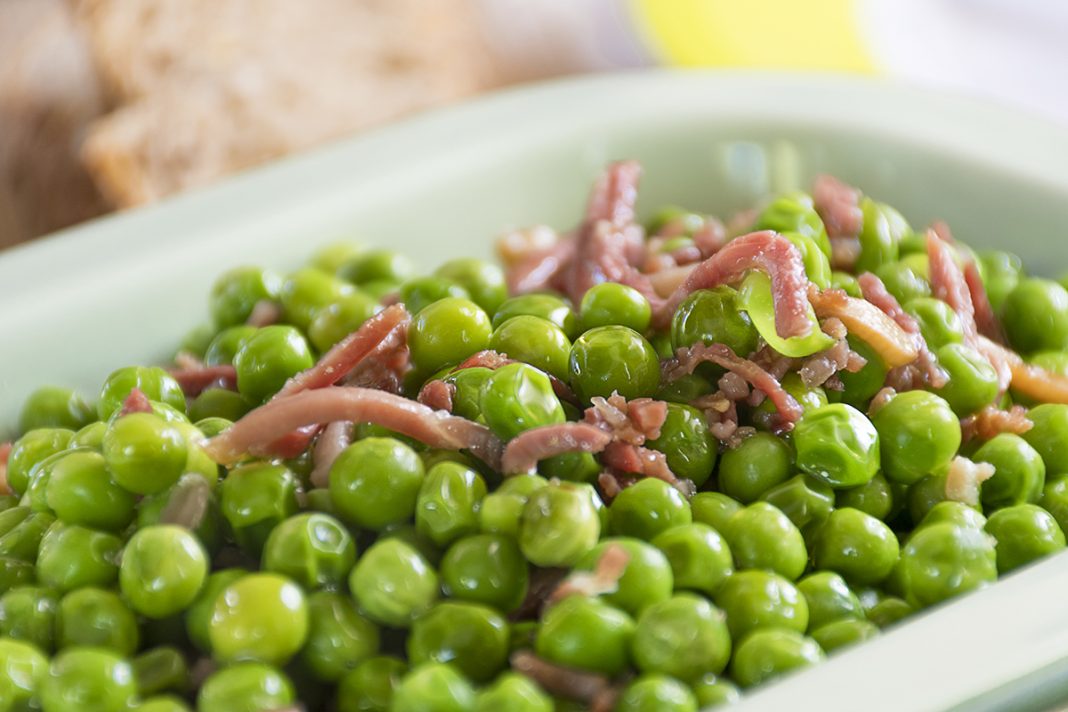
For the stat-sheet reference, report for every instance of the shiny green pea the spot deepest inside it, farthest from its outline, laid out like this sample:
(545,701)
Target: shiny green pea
(771,653)
(699,557)
(518,397)
(236,292)
(646,579)
(305,292)
(713,316)
(144,453)
(71,557)
(880,235)
(757,464)
(29,450)
(860,387)
(957,513)
(656,693)
(393,583)
(795,212)
(1019,471)
(246,687)
(315,550)
(757,599)
(339,638)
(487,569)
(28,613)
(844,633)
(15,573)
(762,537)
(22,670)
(837,444)
(423,291)
(331,256)
(268,359)
(375,482)
(919,434)
(226,344)
(81,491)
(155,383)
(446,332)
(160,670)
(876,497)
(515,693)
(1035,316)
(469,636)
(857,545)
(21,532)
(613,359)
(889,611)
(218,404)
(586,633)
(926,494)
(685,441)
(685,389)
(376,266)
(446,508)
(847,283)
(433,687)
(338,319)
(163,568)
(647,508)
(829,599)
(54,407)
(943,560)
(939,324)
(903,281)
(88,676)
(261,617)
(973,382)
(483,280)
(1024,533)
(1049,435)
(713,691)
(535,341)
(1003,271)
(546,306)
(559,525)
(254,498)
(1054,500)
(198,614)
(714,509)
(685,637)
(95,617)
(610,303)
(369,686)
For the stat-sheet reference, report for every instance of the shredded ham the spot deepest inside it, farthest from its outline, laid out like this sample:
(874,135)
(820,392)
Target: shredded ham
(766,251)
(385,366)
(819,368)
(264,313)
(541,271)
(437,394)
(5,452)
(838,205)
(880,399)
(985,319)
(334,438)
(964,479)
(992,421)
(949,285)
(195,379)
(612,483)
(589,688)
(524,451)
(280,416)
(603,579)
(631,422)
(1032,381)
(136,402)
(930,372)
(865,320)
(637,460)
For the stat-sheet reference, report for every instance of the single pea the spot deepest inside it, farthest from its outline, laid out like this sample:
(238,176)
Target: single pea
(795,212)
(54,407)
(269,358)
(919,434)
(446,508)
(535,341)
(889,611)
(1024,533)
(393,583)
(829,599)
(369,686)
(859,388)
(1002,273)
(160,670)
(376,265)
(163,703)
(646,577)
(546,306)
(90,437)
(761,599)
(938,323)
(559,524)
(487,569)
(155,383)
(844,633)
(470,636)
(305,292)
(331,256)
(144,453)
(714,509)
(246,687)
(98,618)
(656,693)
(375,482)
(614,359)
(1035,316)
(501,513)
(261,617)
(81,491)
(876,497)
(1019,471)
(515,693)
(973,382)
(699,557)
(647,508)
(713,691)
(237,291)
(27,528)
(771,653)
(71,557)
(163,568)
(766,416)
(838,444)
(685,441)
(713,316)
(685,389)
(315,550)
(336,320)
(339,638)
(225,345)
(446,332)
(586,633)
(903,281)
(28,613)
(1055,500)
(198,614)
(857,545)
(88,678)
(218,404)
(847,283)
(420,292)
(1049,435)
(684,636)
(759,463)
(22,670)
(254,498)
(762,537)
(924,495)
(483,280)
(611,303)
(572,466)
(433,687)
(957,513)
(882,230)
(29,450)
(941,561)
(15,573)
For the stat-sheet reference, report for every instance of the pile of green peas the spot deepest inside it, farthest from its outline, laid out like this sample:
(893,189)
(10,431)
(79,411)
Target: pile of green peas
(136,574)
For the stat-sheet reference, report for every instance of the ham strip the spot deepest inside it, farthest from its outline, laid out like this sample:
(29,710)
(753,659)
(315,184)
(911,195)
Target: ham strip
(332,441)
(136,402)
(437,394)
(280,416)
(5,452)
(949,285)
(603,579)
(985,319)
(991,422)
(590,688)
(542,270)
(838,205)
(632,422)
(766,251)
(194,380)
(686,360)
(525,450)
(875,292)
(637,460)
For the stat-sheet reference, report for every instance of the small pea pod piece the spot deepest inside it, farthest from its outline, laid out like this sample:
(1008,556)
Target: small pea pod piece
(795,212)
(880,236)
(757,301)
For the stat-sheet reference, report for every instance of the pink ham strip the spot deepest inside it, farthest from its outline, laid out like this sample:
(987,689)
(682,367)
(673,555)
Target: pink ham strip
(875,292)
(838,205)
(194,380)
(949,285)
(985,320)
(524,451)
(332,441)
(766,251)
(632,422)
(5,452)
(542,270)
(686,360)
(437,394)
(280,416)
(136,402)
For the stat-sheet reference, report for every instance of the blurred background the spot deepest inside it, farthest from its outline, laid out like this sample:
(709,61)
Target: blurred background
(110,104)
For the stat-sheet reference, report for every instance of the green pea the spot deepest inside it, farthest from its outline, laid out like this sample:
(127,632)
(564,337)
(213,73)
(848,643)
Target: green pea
(246,687)
(144,453)
(261,617)
(1002,274)
(198,614)
(155,383)
(217,404)
(761,599)
(236,292)
(939,324)
(433,687)
(422,291)
(470,636)
(305,292)
(487,569)
(713,316)
(22,671)
(903,281)
(163,569)
(889,611)
(943,560)
(685,441)
(336,320)
(684,389)
(28,613)
(847,283)
(610,303)
(656,693)
(315,550)
(1054,500)
(766,415)
(375,266)
(857,545)
(875,498)
(81,491)
(684,636)
(268,359)
(759,463)
(515,693)
(331,256)
(795,212)
(369,686)
(163,703)
(860,387)
(375,482)
(160,670)
(546,306)
(586,633)
(446,507)
(226,344)
(98,618)
(1019,471)
(559,524)
(88,676)
(712,691)
(699,557)
(483,280)
(844,633)
(771,653)
(1049,436)
(838,444)
(762,537)
(535,341)
(714,509)
(15,573)
(613,359)
(339,638)
(446,332)
(956,513)
(54,407)
(882,230)
(21,532)
(829,599)
(31,449)
(646,577)
(973,382)
(919,435)
(1024,533)
(1035,316)
(254,498)
(71,557)
(924,495)
(817,265)
(393,583)
(647,508)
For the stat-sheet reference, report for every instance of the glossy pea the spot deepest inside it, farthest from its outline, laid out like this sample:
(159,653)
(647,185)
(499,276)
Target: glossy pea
(762,537)
(22,670)
(938,323)
(903,282)
(647,508)
(269,358)
(218,404)
(393,582)
(829,599)
(876,497)
(160,670)
(369,686)
(261,617)
(882,230)
(336,320)
(155,383)
(535,341)
(446,332)
(375,482)
(859,387)
(71,557)
(28,613)
(919,434)
(82,491)
(817,265)
(470,636)
(15,573)
(926,494)
(483,280)
(712,691)
(96,617)
(514,692)
(713,316)
(685,389)
(699,557)
(313,549)
(54,407)
(376,266)
(339,638)
(163,568)
(684,439)
(144,453)
(31,449)
(546,306)
(198,615)
(237,291)
(1055,500)
(757,464)
(856,545)
(837,444)
(1035,316)
(844,633)
(332,255)
(226,344)
(943,560)
(973,382)
(656,693)
(1024,533)
(487,569)
(446,507)
(305,292)
(684,637)
(422,291)
(433,687)
(646,577)
(246,687)
(586,633)
(757,599)
(611,303)
(797,213)
(559,524)
(21,532)
(1003,271)
(502,509)
(771,653)
(1049,435)
(1019,471)
(956,513)
(254,498)
(714,509)
(888,611)
(847,283)
(88,676)
(613,359)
